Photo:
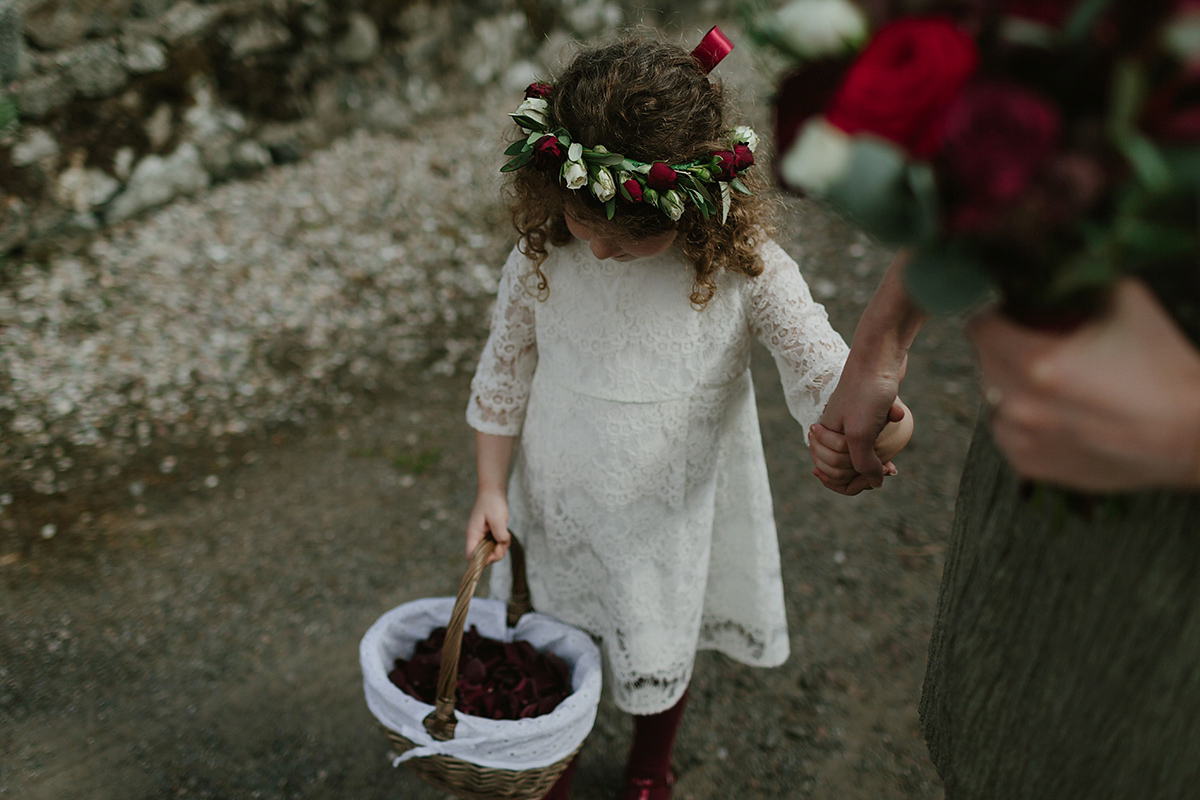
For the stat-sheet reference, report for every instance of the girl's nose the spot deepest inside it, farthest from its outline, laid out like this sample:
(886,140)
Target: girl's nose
(604,248)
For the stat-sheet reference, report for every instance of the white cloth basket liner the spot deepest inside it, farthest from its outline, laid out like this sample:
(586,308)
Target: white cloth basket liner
(502,744)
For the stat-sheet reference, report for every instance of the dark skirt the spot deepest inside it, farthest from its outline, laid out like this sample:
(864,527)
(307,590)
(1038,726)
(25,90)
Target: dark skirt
(1065,657)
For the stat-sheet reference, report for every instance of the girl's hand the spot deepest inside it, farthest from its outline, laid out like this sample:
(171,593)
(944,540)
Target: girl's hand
(833,464)
(896,434)
(1111,406)
(489,515)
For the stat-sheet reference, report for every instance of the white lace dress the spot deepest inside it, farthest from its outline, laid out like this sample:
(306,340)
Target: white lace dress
(639,488)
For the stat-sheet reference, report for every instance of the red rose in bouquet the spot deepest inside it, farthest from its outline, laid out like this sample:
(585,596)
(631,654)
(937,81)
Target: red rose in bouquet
(904,83)
(997,136)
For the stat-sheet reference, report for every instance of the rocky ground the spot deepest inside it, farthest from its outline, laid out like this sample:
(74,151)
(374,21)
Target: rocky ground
(187,626)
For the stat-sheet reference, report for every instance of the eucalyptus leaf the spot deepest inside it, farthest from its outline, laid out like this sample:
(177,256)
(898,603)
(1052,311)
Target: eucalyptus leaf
(1184,165)
(726,201)
(945,280)
(516,147)
(1143,240)
(876,191)
(519,161)
(1151,168)
(1085,15)
(610,207)
(1093,267)
(737,184)
(604,159)
(528,123)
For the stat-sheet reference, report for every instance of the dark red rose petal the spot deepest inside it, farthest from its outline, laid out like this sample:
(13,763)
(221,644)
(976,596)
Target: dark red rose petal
(661,177)
(497,680)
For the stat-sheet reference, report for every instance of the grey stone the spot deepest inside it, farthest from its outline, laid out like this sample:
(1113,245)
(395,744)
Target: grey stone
(14,222)
(40,95)
(57,24)
(257,36)
(207,119)
(142,54)
(186,20)
(249,155)
(216,153)
(156,180)
(123,162)
(159,126)
(316,21)
(94,69)
(496,43)
(360,43)
(37,146)
(388,114)
(82,189)
(10,42)
(593,16)
(520,75)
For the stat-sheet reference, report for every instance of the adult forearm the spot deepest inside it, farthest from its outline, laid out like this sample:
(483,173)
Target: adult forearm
(493,455)
(891,320)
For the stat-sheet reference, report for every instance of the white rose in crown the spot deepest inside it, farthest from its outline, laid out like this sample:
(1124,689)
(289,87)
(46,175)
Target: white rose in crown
(671,204)
(817,159)
(603,186)
(574,174)
(743,134)
(814,29)
(536,109)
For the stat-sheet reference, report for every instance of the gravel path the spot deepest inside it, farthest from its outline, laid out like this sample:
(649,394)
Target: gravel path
(254,303)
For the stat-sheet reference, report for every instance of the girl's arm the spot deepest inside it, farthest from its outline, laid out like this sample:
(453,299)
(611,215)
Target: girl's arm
(865,399)
(499,395)
(492,456)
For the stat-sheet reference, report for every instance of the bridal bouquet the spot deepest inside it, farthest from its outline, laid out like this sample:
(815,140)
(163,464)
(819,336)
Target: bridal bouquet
(1034,148)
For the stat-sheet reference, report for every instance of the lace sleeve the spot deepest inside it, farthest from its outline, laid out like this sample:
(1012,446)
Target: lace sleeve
(500,388)
(796,329)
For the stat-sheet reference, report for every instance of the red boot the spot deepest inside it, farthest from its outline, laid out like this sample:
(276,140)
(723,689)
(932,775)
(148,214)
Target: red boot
(562,787)
(648,774)
(648,788)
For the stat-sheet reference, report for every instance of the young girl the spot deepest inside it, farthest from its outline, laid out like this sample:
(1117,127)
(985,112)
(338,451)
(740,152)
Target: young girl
(619,354)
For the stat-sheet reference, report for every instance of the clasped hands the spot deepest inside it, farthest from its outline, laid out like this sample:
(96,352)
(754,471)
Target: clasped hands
(1113,405)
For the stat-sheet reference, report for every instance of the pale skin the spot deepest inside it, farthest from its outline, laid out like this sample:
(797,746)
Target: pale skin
(494,453)
(1113,405)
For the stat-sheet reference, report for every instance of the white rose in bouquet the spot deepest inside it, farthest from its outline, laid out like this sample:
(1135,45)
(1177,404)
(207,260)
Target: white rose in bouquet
(814,29)
(817,158)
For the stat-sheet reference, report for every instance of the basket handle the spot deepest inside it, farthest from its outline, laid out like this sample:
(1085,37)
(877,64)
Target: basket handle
(441,721)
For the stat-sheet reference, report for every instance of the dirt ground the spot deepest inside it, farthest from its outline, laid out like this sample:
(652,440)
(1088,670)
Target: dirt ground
(201,641)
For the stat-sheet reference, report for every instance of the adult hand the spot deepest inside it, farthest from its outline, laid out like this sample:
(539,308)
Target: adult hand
(1114,405)
(861,405)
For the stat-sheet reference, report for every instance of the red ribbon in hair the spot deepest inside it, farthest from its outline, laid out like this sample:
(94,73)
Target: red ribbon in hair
(712,48)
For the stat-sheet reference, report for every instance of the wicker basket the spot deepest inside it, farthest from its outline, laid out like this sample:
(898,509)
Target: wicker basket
(454,775)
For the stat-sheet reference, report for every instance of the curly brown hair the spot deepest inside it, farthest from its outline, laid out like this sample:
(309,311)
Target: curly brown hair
(649,101)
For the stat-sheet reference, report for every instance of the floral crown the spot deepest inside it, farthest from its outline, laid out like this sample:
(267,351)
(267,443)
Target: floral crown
(704,181)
